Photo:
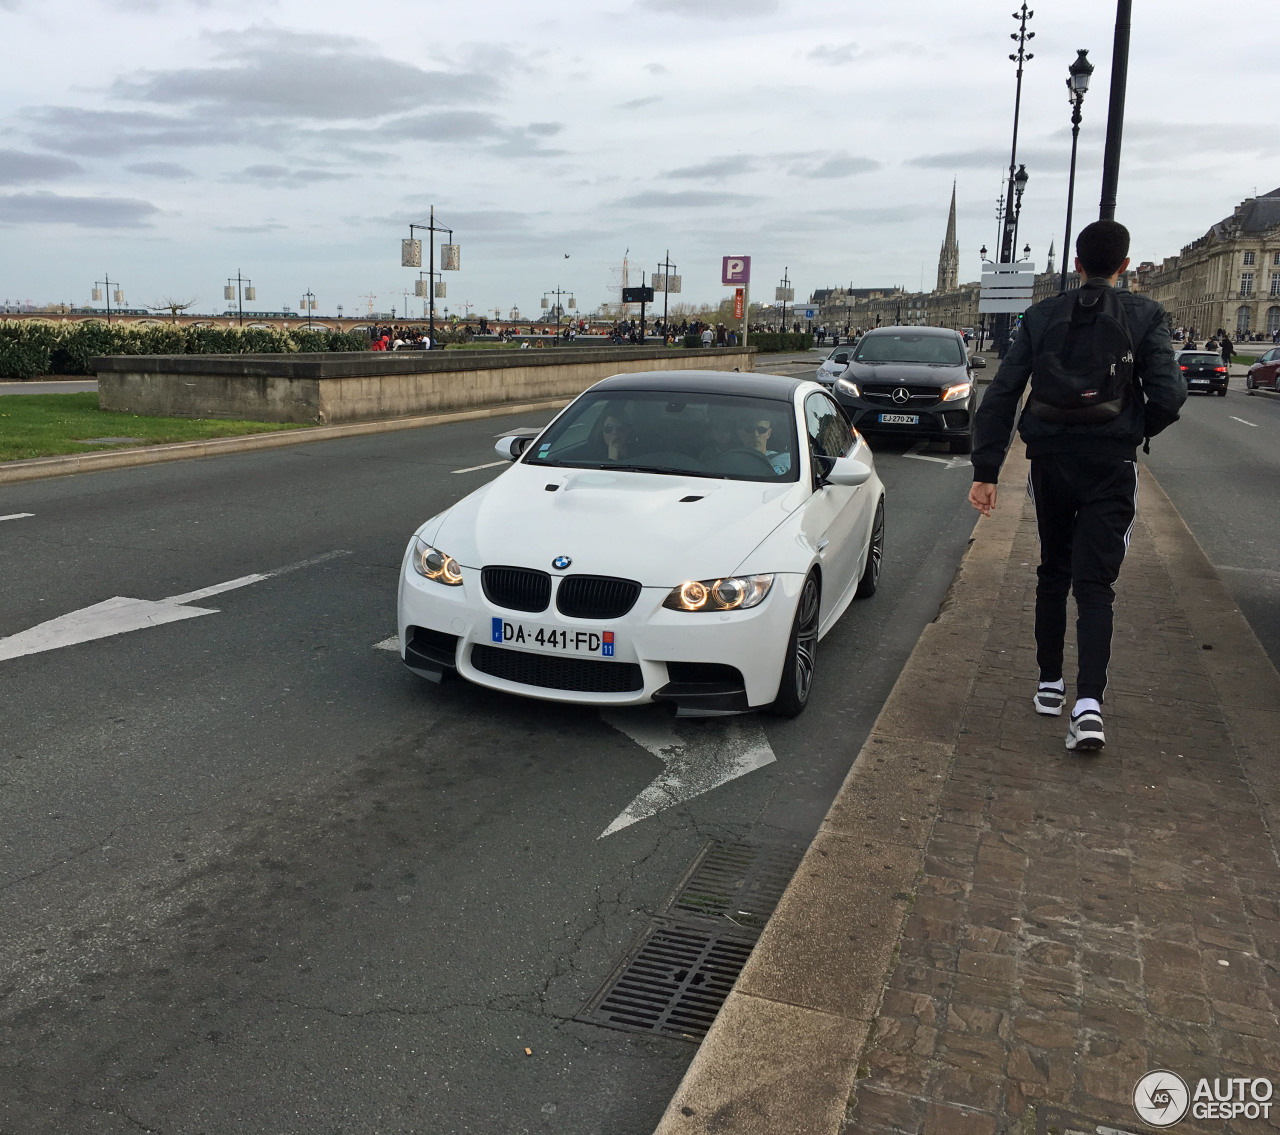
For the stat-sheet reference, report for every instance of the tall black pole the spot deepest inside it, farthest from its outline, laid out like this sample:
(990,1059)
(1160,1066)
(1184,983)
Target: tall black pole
(107,278)
(1115,112)
(1071,188)
(431,279)
(240,296)
(1010,218)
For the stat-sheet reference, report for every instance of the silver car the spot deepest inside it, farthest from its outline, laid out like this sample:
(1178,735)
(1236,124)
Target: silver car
(833,365)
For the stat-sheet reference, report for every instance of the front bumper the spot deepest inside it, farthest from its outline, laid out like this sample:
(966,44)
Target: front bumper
(706,663)
(935,419)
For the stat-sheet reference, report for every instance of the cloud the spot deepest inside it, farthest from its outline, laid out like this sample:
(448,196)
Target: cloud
(85,212)
(711,9)
(282,175)
(834,54)
(265,227)
(304,76)
(837,165)
(636,104)
(446,126)
(545,129)
(684,199)
(656,69)
(104,133)
(170,170)
(877,215)
(18,167)
(962,159)
(717,167)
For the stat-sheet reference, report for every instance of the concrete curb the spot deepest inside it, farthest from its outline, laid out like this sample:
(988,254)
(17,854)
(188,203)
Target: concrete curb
(13,472)
(783,1055)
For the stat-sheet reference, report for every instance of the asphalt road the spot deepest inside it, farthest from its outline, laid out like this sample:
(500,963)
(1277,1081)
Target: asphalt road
(1220,465)
(257,876)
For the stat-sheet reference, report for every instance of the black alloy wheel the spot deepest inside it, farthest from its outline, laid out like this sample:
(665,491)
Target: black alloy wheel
(802,648)
(875,555)
(1248,385)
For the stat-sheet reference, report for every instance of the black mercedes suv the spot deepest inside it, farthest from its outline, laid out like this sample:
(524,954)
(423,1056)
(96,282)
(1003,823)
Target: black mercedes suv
(912,380)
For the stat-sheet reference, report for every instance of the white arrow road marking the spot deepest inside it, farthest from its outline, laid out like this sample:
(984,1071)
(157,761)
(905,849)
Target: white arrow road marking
(698,755)
(119,615)
(473,468)
(1232,417)
(17,515)
(949,462)
(392,643)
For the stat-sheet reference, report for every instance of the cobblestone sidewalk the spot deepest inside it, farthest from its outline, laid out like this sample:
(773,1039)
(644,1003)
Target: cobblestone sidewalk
(1081,921)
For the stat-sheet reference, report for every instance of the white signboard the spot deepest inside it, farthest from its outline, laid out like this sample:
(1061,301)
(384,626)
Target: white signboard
(411,254)
(784,295)
(1006,288)
(664,283)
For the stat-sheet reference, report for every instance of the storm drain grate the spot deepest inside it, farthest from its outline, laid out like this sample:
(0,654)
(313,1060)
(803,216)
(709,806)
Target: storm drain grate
(740,882)
(676,977)
(674,981)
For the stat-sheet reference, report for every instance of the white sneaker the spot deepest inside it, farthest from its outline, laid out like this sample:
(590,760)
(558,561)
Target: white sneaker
(1048,701)
(1084,734)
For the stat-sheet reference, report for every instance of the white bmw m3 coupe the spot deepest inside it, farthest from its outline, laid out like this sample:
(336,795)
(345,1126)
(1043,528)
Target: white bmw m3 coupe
(681,536)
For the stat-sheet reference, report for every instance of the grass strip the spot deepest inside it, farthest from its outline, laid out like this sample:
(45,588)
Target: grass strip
(50,425)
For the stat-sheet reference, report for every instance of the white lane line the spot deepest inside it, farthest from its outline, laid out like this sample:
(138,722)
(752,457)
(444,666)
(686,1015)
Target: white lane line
(120,614)
(392,643)
(474,468)
(1243,422)
(949,462)
(17,515)
(697,757)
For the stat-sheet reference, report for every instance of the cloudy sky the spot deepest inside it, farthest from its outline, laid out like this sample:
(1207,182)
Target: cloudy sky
(172,142)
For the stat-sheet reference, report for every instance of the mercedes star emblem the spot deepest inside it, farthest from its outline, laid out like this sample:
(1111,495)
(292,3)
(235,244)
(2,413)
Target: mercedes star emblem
(901,395)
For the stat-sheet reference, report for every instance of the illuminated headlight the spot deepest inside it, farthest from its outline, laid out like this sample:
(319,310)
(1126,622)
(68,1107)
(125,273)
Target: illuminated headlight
(733,593)
(850,388)
(435,564)
(960,390)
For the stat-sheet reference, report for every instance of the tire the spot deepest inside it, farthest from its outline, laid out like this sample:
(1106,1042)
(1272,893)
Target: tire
(1222,393)
(798,668)
(875,555)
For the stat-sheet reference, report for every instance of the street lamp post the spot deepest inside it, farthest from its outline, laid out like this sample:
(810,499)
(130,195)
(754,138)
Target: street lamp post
(1077,84)
(308,304)
(784,293)
(670,284)
(450,261)
(239,288)
(1007,236)
(559,293)
(104,286)
(1020,180)
(1115,111)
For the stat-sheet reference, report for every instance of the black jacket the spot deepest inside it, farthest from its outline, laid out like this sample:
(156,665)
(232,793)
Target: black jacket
(1162,391)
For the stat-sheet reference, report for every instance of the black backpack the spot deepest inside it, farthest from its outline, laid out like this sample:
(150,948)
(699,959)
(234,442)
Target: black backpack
(1083,372)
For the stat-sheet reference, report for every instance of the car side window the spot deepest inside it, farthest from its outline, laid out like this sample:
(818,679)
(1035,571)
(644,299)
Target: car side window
(830,435)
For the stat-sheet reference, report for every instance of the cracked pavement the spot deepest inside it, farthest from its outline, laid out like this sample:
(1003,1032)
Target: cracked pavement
(257,876)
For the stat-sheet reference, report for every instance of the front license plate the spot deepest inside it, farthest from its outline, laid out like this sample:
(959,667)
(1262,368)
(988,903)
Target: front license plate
(899,419)
(554,640)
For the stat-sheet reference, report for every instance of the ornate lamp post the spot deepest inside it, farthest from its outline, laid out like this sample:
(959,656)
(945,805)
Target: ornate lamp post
(1008,237)
(113,291)
(450,261)
(1077,84)
(1020,180)
(239,288)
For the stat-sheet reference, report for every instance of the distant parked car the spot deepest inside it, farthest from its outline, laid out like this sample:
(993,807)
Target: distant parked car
(1204,371)
(1265,373)
(833,365)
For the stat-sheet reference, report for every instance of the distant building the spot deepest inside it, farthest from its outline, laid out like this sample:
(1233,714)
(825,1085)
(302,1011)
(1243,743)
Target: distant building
(949,257)
(1228,278)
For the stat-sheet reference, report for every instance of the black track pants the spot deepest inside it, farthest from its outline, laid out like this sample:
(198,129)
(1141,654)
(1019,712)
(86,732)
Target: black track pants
(1084,512)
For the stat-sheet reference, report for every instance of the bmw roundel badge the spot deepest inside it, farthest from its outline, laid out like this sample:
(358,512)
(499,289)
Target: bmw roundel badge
(561,562)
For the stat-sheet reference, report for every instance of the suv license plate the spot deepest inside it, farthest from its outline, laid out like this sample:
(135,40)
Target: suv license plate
(899,419)
(553,640)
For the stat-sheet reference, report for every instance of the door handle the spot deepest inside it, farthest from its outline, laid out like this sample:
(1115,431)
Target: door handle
(823,543)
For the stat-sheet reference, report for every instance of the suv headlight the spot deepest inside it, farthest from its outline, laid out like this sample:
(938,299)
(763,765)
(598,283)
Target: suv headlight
(733,593)
(850,388)
(435,564)
(954,393)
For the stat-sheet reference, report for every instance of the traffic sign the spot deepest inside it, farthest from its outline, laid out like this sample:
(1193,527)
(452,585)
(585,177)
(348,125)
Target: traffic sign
(637,295)
(738,303)
(735,270)
(1007,287)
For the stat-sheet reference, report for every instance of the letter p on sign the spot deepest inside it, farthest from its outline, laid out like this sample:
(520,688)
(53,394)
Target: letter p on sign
(735,270)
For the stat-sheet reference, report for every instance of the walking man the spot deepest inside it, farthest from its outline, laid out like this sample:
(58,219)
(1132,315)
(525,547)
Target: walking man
(1103,379)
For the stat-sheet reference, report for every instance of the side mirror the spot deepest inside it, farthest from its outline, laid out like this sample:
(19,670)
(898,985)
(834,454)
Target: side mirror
(847,471)
(978,362)
(512,447)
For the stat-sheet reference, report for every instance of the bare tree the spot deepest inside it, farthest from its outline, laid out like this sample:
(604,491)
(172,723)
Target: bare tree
(172,306)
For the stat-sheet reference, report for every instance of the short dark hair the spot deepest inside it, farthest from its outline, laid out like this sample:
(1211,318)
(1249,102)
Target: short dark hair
(1102,247)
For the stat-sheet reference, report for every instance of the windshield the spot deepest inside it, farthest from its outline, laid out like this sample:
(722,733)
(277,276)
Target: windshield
(688,434)
(1198,357)
(939,350)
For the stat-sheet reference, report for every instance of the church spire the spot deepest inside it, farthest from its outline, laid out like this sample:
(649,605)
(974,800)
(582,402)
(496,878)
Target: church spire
(1049,267)
(949,257)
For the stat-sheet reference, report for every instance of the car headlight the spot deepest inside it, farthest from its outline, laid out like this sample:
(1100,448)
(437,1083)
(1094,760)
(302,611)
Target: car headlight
(848,387)
(733,593)
(960,390)
(435,564)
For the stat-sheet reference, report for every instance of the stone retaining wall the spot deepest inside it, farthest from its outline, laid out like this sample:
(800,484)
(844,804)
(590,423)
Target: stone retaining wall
(360,386)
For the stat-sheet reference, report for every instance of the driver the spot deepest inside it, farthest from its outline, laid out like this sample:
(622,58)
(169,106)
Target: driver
(611,437)
(754,432)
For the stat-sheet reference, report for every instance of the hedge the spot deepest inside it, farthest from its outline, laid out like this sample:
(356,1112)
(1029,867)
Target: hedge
(766,341)
(30,347)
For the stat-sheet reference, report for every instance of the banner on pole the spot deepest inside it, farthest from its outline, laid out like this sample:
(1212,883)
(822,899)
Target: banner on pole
(411,254)
(737,303)
(450,258)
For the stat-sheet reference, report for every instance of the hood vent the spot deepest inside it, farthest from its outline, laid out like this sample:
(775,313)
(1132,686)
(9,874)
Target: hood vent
(689,500)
